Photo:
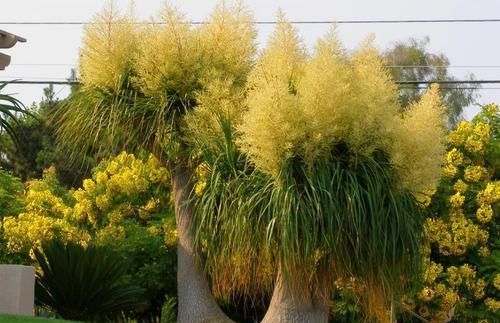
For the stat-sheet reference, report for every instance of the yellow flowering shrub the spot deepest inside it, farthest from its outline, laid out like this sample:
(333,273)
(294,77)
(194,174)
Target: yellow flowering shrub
(45,217)
(121,190)
(125,205)
(461,273)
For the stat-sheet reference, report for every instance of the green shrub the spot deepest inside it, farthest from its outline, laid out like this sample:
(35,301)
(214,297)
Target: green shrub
(11,203)
(168,311)
(84,284)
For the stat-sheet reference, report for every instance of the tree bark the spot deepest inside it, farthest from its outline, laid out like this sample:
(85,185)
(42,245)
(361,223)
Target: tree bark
(195,300)
(298,303)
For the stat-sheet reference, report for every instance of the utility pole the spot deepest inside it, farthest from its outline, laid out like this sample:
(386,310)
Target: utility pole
(7,40)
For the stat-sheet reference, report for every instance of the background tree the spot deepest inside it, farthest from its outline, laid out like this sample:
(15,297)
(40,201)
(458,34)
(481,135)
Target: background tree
(411,61)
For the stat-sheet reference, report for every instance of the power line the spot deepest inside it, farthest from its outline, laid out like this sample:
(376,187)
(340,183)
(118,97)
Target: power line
(12,77)
(450,88)
(440,66)
(387,66)
(42,82)
(269,22)
(43,64)
(397,82)
(450,82)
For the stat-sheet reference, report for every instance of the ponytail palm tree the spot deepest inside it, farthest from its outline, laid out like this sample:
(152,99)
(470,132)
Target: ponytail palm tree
(314,176)
(138,83)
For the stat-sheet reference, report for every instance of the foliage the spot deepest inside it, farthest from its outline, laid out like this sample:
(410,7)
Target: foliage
(36,148)
(462,265)
(168,313)
(9,108)
(11,203)
(411,61)
(11,191)
(118,208)
(84,283)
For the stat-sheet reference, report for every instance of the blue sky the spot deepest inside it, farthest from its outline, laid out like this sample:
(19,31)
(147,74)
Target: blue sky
(464,44)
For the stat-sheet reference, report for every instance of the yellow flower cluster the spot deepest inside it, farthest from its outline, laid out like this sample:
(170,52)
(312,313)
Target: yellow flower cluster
(301,106)
(431,271)
(447,296)
(450,170)
(114,185)
(460,186)
(471,137)
(492,304)
(108,49)
(454,237)
(491,109)
(201,173)
(228,42)
(175,58)
(496,281)
(490,194)
(475,173)
(484,214)
(29,230)
(454,157)
(426,294)
(457,200)
(479,288)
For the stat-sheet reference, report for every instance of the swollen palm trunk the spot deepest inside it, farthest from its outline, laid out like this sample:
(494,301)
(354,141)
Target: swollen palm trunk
(195,300)
(298,303)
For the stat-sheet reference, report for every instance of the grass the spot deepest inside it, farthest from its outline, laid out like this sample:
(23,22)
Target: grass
(4,318)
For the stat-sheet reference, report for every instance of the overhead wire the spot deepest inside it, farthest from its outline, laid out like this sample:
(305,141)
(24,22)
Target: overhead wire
(402,84)
(271,22)
(387,66)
